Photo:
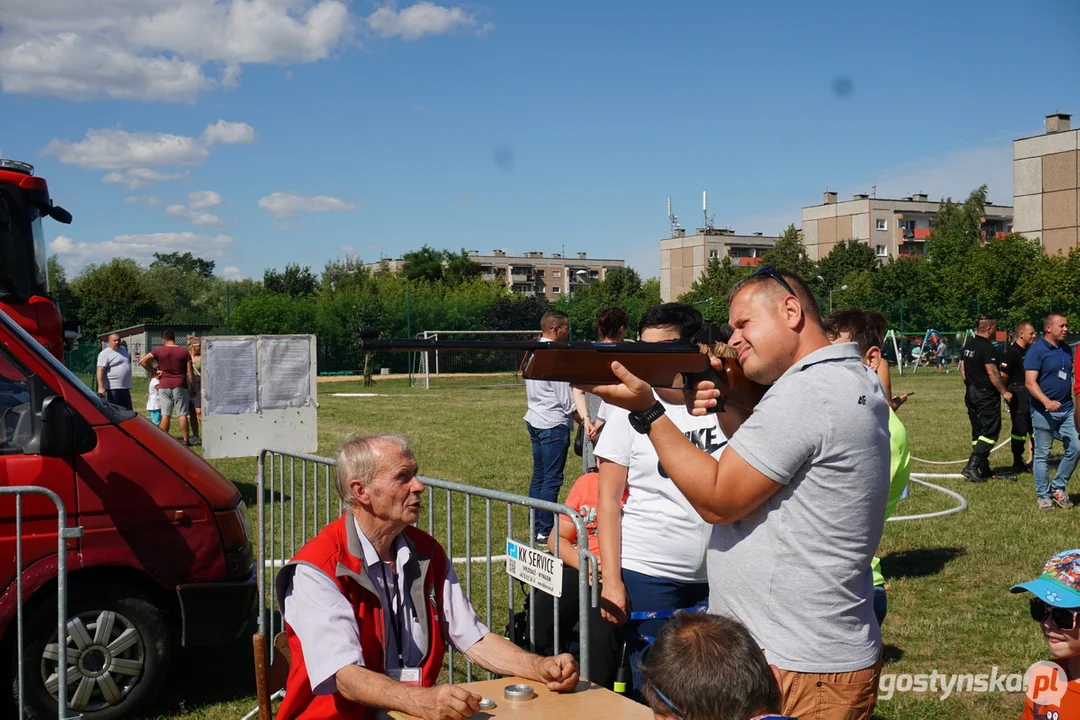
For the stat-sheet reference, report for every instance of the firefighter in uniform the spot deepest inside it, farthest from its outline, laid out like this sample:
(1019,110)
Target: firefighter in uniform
(979,369)
(1012,372)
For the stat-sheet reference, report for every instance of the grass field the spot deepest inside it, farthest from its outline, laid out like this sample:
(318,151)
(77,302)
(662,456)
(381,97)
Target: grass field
(949,605)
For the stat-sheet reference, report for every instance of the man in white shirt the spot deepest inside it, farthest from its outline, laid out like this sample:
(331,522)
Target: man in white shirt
(114,373)
(550,419)
(370,603)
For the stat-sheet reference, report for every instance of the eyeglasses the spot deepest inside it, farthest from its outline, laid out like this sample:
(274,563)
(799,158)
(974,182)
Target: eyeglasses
(667,701)
(775,275)
(1064,618)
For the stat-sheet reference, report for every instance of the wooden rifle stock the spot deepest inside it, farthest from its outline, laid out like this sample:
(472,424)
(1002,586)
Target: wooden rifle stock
(662,365)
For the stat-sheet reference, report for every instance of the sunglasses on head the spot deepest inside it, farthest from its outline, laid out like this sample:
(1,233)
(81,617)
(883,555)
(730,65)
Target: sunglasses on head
(772,272)
(667,702)
(1064,618)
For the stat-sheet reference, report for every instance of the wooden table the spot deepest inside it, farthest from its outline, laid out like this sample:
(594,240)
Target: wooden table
(587,702)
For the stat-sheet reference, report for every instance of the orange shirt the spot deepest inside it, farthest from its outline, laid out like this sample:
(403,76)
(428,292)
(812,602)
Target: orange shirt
(1067,709)
(582,497)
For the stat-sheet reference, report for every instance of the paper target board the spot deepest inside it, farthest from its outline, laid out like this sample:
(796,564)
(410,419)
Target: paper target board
(259,391)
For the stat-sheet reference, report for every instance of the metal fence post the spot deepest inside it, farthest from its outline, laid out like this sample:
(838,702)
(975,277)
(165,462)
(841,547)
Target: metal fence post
(63,534)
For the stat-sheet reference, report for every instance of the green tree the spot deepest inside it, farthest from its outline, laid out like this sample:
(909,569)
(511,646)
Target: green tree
(60,289)
(789,253)
(112,296)
(296,281)
(709,292)
(460,267)
(274,313)
(344,278)
(845,257)
(425,264)
(185,263)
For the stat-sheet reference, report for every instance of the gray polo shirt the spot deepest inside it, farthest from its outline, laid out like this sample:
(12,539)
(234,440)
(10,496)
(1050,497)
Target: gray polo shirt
(796,571)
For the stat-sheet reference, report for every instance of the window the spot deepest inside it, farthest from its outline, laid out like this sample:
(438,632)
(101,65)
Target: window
(881,251)
(714,254)
(882,224)
(16,413)
(909,228)
(555,289)
(556,273)
(539,273)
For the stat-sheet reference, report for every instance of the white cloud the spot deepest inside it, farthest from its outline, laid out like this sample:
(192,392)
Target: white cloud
(140,248)
(347,249)
(287,204)
(195,217)
(148,200)
(79,67)
(136,178)
(231,272)
(130,155)
(203,199)
(157,49)
(422,19)
(228,133)
(115,149)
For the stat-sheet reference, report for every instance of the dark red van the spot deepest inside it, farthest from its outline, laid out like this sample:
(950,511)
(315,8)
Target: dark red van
(165,557)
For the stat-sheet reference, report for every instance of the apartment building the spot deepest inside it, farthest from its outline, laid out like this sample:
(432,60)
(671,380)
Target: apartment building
(1046,175)
(533,273)
(683,258)
(892,227)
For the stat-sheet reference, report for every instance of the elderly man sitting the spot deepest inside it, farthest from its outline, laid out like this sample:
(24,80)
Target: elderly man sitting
(370,603)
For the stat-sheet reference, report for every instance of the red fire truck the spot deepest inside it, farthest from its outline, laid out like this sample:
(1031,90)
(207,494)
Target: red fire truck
(24,277)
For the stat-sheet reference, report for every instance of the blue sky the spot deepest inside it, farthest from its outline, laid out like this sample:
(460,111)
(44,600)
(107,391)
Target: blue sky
(261,132)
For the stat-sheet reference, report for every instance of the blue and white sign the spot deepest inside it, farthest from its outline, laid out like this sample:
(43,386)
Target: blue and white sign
(535,568)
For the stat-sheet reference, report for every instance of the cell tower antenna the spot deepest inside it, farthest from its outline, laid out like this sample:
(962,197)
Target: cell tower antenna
(705,210)
(675,227)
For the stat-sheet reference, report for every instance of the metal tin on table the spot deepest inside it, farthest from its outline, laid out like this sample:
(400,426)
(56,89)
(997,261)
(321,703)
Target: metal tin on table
(518,693)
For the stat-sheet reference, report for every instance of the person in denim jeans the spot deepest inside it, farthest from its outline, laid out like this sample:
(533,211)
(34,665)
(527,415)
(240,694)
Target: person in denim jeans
(1048,375)
(549,419)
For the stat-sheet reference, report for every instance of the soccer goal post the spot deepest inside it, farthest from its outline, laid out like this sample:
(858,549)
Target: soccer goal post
(461,362)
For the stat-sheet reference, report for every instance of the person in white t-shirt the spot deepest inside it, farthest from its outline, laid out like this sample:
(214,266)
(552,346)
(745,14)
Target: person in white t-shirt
(153,399)
(654,550)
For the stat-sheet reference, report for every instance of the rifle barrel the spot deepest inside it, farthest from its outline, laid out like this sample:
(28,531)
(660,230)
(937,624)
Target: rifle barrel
(417,345)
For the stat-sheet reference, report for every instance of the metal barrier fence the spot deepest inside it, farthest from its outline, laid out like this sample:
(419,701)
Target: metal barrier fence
(63,534)
(297,498)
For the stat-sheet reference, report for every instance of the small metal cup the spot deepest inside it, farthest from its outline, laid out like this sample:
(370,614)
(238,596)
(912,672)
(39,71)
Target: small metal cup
(487,704)
(519,693)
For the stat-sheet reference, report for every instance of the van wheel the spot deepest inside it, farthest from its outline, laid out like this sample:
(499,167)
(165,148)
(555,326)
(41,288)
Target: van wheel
(118,654)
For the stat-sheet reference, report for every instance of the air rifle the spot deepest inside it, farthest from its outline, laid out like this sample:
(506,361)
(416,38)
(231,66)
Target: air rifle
(662,365)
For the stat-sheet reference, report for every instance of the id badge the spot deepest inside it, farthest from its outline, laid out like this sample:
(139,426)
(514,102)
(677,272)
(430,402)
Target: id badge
(405,676)
(1062,375)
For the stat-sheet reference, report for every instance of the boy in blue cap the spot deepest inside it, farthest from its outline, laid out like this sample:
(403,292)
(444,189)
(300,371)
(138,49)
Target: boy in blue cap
(1055,605)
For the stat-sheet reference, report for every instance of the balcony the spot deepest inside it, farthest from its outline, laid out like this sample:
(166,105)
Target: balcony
(749,261)
(922,233)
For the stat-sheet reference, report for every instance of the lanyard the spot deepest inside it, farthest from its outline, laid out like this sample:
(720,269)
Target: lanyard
(395,623)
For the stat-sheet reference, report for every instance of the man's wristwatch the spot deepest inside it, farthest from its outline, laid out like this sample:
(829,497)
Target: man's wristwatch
(642,421)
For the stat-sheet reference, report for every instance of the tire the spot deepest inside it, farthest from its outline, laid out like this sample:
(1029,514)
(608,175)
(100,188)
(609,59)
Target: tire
(110,676)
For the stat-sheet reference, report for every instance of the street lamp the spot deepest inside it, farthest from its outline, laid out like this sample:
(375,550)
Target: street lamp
(578,275)
(839,289)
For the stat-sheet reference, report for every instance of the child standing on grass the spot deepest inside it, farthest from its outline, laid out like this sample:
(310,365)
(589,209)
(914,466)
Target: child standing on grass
(1055,606)
(153,399)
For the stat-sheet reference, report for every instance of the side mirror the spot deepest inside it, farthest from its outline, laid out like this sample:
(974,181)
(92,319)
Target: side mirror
(60,215)
(55,435)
